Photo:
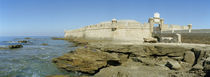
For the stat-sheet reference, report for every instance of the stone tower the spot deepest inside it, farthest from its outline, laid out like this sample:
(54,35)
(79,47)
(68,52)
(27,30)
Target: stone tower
(156,20)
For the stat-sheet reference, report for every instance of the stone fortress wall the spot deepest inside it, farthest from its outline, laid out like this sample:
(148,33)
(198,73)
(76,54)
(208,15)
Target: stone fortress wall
(123,30)
(167,27)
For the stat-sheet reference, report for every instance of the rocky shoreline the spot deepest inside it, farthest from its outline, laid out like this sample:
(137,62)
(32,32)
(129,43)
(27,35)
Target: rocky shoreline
(101,59)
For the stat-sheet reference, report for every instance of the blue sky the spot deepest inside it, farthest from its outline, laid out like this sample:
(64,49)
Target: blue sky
(52,17)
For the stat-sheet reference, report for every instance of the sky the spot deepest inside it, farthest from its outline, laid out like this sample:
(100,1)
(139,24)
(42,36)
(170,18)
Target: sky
(52,17)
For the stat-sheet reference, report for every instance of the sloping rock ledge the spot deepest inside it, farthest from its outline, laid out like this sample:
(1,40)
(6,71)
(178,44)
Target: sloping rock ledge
(146,60)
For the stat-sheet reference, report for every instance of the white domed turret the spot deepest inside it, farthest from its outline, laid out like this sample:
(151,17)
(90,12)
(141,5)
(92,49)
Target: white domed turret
(114,20)
(156,15)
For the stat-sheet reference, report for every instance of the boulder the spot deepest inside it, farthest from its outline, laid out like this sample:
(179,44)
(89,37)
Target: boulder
(173,65)
(15,46)
(189,57)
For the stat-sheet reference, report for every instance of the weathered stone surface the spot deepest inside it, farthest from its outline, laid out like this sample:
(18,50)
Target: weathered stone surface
(87,61)
(146,50)
(189,57)
(133,70)
(197,67)
(207,64)
(173,65)
(199,54)
(108,60)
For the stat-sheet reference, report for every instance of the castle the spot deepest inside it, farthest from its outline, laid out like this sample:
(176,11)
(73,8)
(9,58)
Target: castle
(123,30)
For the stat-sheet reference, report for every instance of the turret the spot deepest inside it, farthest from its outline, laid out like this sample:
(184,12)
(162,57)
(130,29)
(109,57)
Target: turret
(114,21)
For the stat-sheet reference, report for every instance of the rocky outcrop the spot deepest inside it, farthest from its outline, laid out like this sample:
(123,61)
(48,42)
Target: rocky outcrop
(27,38)
(23,41)
(109,60)
(44,44)
(15,46)
(87,61)
(133,69)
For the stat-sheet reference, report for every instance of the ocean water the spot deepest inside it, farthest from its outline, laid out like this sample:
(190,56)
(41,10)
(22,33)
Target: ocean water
(34,59)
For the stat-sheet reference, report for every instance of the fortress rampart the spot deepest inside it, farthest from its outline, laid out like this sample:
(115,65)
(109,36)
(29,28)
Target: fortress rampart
(123,30)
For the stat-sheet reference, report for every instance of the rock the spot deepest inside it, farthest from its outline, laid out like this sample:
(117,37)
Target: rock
(147,60)
(23,41)
(207,64)
(86,60)
(199,54)
(173,65)
(171,51)
(15,46)
(27,38)
(189,57)
(197,67)
(58,38)
(3,48)
(58,76)
(179,58)
(150,40)
(44,44)
(132,69)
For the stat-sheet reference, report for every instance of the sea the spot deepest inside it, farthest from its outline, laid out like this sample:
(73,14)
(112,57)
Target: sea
(34,59)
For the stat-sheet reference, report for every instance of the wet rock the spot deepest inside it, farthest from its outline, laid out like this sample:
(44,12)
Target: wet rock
(58,76)
(3,48)
(57,38)
(15,46)
(173,65)
(27,38)
(86,61)
(44,44)
(23,41)
(189,57)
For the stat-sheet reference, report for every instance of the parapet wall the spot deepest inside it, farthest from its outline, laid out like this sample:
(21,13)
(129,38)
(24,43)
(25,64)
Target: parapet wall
(167,27)
(122,30)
